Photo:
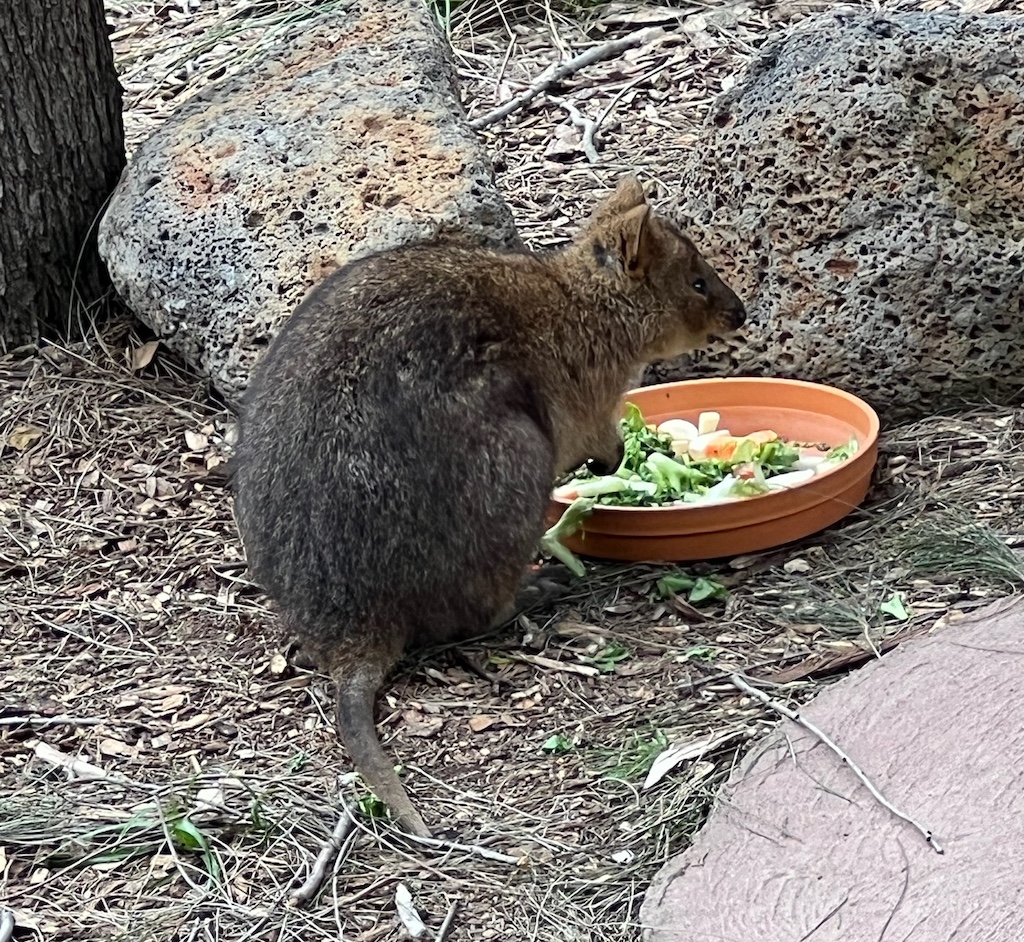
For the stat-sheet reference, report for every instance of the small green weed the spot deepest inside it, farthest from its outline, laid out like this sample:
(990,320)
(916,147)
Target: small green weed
(186,836)
(610,656)
(634,758)
(298,762)
(371,806)
(700,652)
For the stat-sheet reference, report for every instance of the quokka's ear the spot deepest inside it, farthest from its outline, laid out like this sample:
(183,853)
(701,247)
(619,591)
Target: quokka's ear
(627,195)
(636,241)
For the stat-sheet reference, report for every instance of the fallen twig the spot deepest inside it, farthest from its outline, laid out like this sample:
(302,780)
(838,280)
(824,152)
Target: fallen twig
(78,768)
(446,926)
(588,127)
(825,664)
(620,94)
(740,684)
(324,859)
(468,848)
(691,686)
(555,73)
(538,660)
(50,721)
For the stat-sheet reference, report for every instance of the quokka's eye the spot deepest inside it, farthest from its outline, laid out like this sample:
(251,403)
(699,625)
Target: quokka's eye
(700,287)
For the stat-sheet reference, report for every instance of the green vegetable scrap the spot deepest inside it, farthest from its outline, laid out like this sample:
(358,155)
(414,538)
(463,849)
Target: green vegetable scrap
(673,477)
(895,608)
(699,588)
(842,452)
(775,457)
(609,656)
(551,542)
(558,744)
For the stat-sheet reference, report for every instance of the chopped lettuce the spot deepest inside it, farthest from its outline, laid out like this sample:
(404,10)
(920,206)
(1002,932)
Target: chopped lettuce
(609,484)
(567,525)
(842,452)
(634,420)
(672,476)
(698,588)
(777,456)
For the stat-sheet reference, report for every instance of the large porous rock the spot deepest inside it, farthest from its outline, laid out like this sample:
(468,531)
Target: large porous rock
(863,188)
(349,137)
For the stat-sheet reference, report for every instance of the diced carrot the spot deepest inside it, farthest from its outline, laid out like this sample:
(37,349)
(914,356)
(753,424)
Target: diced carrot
(744,471)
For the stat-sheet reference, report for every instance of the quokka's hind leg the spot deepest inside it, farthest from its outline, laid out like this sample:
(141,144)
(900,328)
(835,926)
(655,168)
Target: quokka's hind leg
(356,683)
(297,654)
(537,588)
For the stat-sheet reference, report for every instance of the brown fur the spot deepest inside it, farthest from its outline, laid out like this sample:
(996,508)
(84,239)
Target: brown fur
(401,435)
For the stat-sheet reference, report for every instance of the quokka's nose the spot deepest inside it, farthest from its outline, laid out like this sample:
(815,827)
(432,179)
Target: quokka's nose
(737,316)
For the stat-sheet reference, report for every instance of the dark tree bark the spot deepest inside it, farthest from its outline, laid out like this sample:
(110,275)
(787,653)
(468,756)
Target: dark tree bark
(61,153)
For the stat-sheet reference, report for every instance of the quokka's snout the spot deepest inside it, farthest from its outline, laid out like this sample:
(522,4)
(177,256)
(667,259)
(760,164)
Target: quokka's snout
(728,311)
(735,317)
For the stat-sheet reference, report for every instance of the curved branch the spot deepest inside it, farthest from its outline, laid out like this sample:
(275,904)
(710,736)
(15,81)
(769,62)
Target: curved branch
(555,73)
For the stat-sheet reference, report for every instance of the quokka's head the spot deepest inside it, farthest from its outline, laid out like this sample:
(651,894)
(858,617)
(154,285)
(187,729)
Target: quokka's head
(647,258)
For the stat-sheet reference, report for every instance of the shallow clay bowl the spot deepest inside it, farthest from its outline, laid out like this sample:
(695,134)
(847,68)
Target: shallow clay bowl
(798,411)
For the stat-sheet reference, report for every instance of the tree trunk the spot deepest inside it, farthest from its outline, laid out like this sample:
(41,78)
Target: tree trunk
(61,153)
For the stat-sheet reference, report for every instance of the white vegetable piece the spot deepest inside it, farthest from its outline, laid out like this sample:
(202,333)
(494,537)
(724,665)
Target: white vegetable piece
(790,479)
(720,493)
(679,429)
(680,447)
(707,422)
(699,446)
(808,463)
(609,484)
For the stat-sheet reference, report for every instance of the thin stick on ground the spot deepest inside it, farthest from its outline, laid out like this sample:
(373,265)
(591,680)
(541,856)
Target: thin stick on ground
(324,860)
(78,768)
(51,721)
(740,684)
(479,851)
(584,123)
(555,73)
(6,925)
(620,94)
(446,926)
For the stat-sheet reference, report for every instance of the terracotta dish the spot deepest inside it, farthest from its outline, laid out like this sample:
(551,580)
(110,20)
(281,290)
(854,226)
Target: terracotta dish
(797,411)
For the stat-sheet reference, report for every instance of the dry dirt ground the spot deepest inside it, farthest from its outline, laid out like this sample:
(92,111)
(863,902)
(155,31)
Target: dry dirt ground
(165,774)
